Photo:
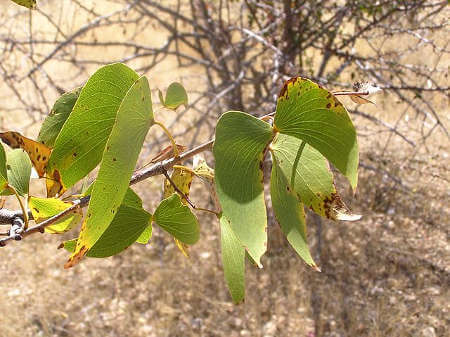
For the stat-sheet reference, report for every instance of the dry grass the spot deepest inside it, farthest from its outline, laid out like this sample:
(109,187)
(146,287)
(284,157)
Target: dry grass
(386,275)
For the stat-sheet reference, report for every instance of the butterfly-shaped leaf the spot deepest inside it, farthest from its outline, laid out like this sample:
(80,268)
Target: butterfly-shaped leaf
(309,177)
(309,112)
(241,140)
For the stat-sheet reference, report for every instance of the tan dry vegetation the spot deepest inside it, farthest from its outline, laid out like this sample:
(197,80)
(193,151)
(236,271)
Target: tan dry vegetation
(386,275)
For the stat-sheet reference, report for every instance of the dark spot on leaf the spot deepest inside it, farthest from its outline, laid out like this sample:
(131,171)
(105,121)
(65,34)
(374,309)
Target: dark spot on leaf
(114,159)
(336,103)
(8,167)
(44,158)
(328,105)
(36,210)
(329,96)
(284,90)
(74,154)
(38,157)
(288,189)
(61,245)
(37,150)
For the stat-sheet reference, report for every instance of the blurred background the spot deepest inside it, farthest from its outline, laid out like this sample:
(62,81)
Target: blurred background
(385,275)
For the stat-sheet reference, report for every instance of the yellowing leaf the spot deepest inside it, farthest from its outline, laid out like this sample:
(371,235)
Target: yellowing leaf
(182,177)
(38,152)
(206,174)
(54,184)
(43,209)
(31,4)
(3,172)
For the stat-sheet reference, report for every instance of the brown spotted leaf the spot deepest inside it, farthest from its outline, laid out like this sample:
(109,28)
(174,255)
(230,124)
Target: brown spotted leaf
(311,113)
(309,177)
(38,152)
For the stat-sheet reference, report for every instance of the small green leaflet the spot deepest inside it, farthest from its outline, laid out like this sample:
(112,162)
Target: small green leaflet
(307,111)
(233,260)
(54,122)
(80,143)
(176,95)
(18,167)
(177,219)
(133,120)
(241,140)
(31,4)
(44,208)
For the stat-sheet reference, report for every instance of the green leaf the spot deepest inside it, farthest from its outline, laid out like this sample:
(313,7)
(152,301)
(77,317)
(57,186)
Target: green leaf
(289,213)
(31,4)
(128,225)
(177,219)
(54,122)
(233,260)
(131,199)
(44,208)
(238,151)
(80,144)
(18,167)
(175,96)
(134,118)
(3,172)
(309,177)
(307,111)
(144,238)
